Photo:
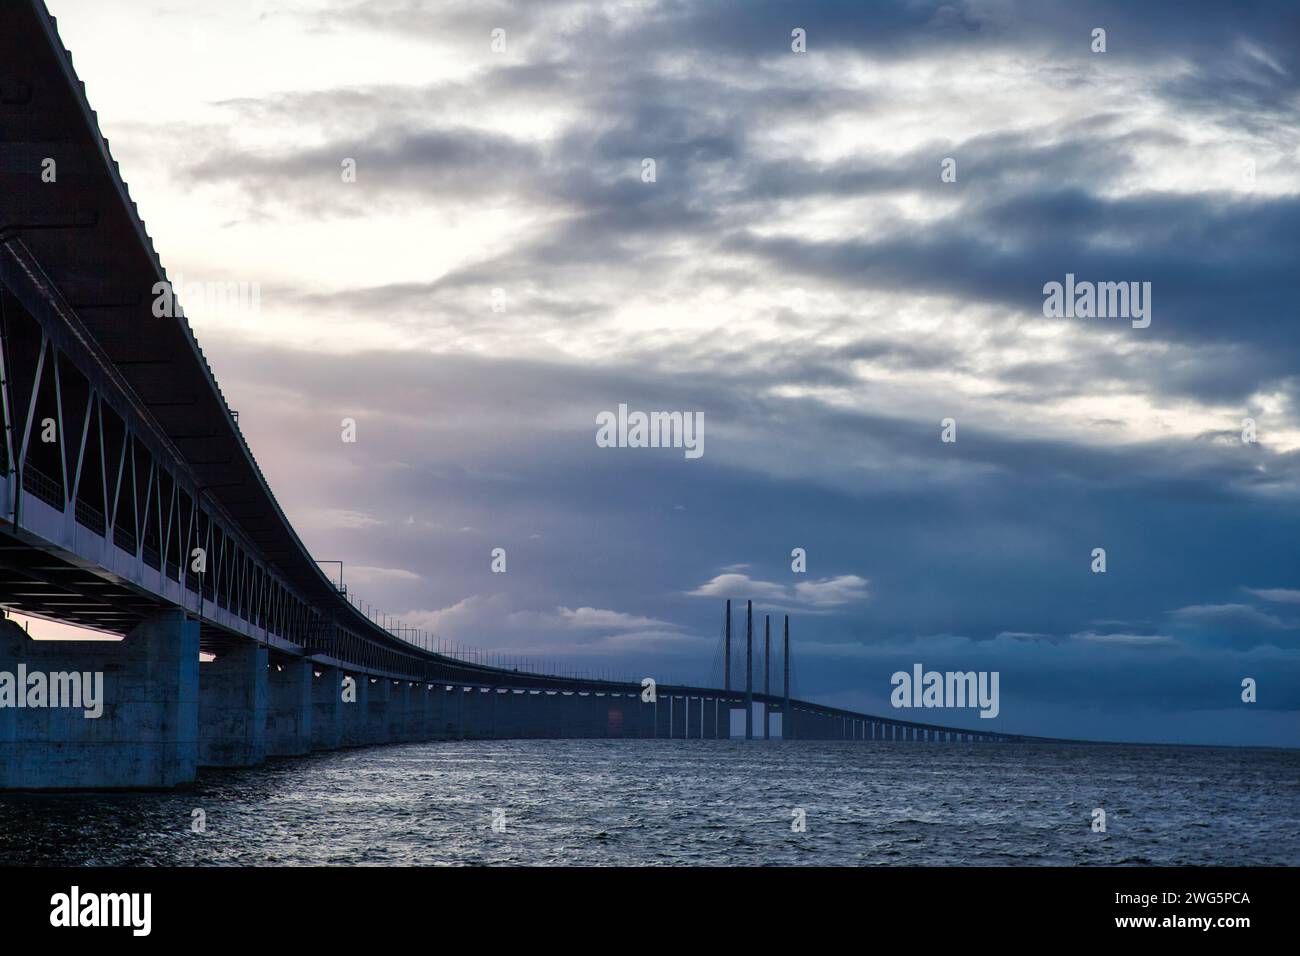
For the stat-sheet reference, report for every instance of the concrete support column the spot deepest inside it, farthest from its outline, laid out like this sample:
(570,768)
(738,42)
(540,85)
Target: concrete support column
(488,700)
(232,707)
(539,714)
(513,715)
(482,705)
(376,713)
(531,715)
(467,701)
(504,726)
(327,709)
(577,716)
(145,688)
(613,708)
(417,706)
(573,714)
(453,707)
(631,709)
(356,711)
(396,714)
(491,712)
(520,713)
(289,708)
(417,700)
(608,715)
(471,720)
(437,713)
(451,711)
(565,709)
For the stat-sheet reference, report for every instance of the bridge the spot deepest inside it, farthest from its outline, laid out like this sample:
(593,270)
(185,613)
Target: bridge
(134,506)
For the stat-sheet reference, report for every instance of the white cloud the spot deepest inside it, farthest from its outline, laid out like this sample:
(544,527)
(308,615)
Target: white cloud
(371,575)
(1126,640)
(590,617)
(1277,595)
(732,585)
(1025,636)
(832,592)
(810,595)
(1229,615)
(492,621)
(337,518)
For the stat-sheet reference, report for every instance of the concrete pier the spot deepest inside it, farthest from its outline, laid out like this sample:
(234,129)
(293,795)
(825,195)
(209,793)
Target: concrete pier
(511,721)
(147,732)
(375,727)
(437,715)
(397,712)
(417,708)
(232,707)
(289,708)
(327,709)
(356,712)
(165,714)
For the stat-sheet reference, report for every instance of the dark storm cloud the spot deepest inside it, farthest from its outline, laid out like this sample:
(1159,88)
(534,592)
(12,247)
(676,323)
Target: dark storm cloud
(1222,265)
(1223,270)
(429,162)
(1200,32)
(974,553)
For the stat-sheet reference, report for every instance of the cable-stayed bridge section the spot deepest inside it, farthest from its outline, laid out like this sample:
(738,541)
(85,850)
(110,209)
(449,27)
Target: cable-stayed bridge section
(130,503)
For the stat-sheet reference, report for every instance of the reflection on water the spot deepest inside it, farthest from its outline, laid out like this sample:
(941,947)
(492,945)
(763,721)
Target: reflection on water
(637,802)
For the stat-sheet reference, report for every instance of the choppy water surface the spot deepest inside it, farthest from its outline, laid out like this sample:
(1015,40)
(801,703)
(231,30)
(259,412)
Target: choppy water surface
(591,802)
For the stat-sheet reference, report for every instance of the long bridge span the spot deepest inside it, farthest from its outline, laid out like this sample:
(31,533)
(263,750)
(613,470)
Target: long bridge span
(132,504)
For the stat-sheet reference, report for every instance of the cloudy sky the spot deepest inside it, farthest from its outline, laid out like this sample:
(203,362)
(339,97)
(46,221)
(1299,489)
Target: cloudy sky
(799,272)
